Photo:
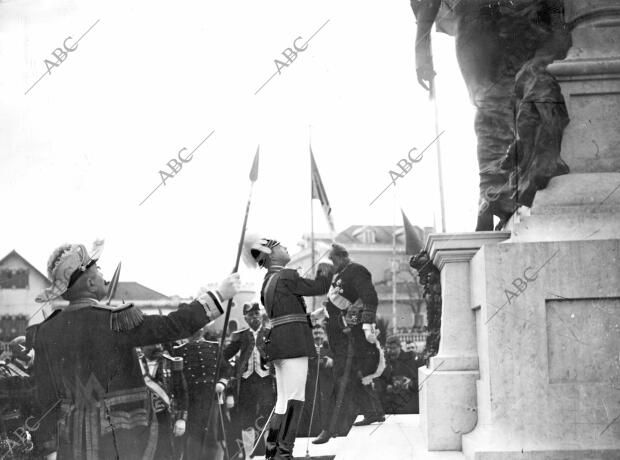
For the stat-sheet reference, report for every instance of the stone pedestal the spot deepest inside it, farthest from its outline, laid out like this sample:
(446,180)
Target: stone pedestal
(545,304)
(548,325)
(548,337)
(448,386)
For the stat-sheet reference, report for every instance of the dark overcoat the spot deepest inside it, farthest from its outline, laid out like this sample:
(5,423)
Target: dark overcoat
(89,376)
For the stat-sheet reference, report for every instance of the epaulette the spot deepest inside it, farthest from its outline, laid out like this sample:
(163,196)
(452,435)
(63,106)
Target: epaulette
(176,361)
(178,347)
(124,317)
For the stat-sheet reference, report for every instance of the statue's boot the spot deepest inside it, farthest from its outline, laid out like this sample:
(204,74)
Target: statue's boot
(288,430)
(323,437)
(271,442)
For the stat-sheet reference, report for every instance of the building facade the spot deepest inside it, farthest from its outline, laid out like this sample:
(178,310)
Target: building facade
(20,283)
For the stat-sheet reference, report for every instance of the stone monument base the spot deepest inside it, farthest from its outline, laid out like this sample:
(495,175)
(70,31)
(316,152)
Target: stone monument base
(547,318)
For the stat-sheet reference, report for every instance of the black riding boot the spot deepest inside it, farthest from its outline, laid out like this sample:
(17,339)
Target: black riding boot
(288,430)
(271,442)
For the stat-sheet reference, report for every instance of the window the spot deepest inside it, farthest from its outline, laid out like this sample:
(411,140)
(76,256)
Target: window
(14,279)
(12,326)
(366,235)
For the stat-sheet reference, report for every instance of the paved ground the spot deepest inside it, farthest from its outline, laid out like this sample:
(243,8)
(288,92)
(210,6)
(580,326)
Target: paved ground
(398,438)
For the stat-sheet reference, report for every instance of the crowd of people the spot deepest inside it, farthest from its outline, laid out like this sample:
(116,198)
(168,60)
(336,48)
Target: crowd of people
(97,381)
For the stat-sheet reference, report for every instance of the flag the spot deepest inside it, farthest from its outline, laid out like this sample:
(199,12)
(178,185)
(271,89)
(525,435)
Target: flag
(414,237)
(254,171)
(318,192)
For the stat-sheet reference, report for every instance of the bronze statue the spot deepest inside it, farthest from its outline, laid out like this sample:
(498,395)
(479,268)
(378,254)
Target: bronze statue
(503,48)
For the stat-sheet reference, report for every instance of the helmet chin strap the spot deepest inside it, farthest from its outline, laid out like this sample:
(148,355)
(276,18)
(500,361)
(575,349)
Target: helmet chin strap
(278,258)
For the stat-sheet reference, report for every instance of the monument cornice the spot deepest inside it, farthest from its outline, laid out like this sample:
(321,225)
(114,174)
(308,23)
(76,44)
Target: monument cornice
(459,247)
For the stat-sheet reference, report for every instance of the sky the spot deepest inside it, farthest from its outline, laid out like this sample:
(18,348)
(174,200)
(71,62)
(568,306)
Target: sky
(85,145)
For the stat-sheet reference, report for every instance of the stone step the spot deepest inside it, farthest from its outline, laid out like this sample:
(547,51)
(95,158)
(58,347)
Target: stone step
(398,438)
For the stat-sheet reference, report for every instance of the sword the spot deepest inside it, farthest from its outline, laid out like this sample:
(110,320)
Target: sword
(262,433)
(112,285)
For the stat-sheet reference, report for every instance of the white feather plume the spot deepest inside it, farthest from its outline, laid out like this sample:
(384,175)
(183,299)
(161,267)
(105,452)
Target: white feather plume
(256,242)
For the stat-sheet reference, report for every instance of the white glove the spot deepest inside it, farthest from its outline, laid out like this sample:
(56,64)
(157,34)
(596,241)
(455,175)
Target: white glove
(370,332)
(318,316)
(219,388)
(329,362)
(179,427)
(229,286)
(51,456)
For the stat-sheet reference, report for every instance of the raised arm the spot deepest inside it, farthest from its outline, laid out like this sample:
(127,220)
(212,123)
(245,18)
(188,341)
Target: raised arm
(310,287)
(186,320)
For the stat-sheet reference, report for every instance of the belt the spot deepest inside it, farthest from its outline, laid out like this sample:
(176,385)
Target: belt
(286,319)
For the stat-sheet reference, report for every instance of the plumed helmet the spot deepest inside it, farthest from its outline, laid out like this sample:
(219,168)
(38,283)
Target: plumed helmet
(256,249)
(65,265)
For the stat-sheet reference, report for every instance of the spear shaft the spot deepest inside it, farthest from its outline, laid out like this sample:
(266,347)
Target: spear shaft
(218,362)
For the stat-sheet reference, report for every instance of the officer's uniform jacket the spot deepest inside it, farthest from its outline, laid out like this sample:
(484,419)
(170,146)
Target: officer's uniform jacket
(199,362)
(282,295)
(168,385)
(87,374)
(199,368)
(243,342)
(352,301)
(352,287)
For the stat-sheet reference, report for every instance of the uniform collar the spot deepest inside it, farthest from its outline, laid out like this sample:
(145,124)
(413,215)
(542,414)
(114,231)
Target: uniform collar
(275,268)
(339,272)
(78,304)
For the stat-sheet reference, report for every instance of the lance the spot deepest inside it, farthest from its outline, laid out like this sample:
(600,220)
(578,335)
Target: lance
(253,177)
(442,200)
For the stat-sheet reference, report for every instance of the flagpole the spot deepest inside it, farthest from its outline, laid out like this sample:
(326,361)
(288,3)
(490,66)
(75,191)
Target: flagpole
(312,231)
(442,202)
(394,265)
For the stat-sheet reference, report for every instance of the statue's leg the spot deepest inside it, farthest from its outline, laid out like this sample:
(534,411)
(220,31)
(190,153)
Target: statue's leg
(494,125)
(489,78)
(541,120)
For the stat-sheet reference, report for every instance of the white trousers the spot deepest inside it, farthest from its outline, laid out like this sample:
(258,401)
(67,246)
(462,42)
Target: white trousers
(291,374)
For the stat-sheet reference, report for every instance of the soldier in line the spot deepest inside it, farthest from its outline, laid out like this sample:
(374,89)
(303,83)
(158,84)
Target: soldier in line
(86,367)
(289,343)
(200,358)
(163,375)
(351,306)
(253,383)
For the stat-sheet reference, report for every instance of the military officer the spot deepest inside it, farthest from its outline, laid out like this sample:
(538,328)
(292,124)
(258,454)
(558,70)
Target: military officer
(86,367)
(351,306)
(289,343)
(163,375)
(253,383)
(199,358)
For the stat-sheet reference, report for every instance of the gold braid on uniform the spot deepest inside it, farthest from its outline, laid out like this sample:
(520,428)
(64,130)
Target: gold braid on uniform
(124,317)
